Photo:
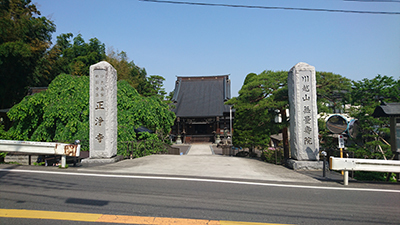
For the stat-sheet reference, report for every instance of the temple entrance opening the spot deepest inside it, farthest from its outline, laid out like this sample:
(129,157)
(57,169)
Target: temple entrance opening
(201,115)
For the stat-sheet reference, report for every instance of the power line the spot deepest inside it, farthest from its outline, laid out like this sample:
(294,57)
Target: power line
(271,7)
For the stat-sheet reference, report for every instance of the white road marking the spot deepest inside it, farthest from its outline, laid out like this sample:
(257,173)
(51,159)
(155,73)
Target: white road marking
(199,180)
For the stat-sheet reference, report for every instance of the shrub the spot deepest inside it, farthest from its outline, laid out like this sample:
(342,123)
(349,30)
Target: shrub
(61,113)
(374,176)
(272,155)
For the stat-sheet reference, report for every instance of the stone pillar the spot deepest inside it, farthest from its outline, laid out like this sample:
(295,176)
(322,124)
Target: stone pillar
(103,111)
(304,143)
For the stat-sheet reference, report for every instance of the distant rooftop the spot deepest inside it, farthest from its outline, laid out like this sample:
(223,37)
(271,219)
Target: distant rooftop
(201,96)
(387,110)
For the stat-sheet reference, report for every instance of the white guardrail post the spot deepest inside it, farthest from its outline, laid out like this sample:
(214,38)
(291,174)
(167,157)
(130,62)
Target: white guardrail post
(42,148)
(374,165)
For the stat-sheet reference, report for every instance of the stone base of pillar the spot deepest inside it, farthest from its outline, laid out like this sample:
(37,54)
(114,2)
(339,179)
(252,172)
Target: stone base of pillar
(305,165)
(102,160)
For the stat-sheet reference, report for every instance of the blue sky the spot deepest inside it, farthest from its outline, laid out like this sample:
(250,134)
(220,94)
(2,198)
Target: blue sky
(175,40)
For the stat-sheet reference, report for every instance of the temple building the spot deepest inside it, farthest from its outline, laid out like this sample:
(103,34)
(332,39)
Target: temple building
(200,111)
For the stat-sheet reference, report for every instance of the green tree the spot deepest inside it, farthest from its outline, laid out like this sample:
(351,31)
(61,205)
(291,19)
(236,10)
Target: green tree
(62,113)
(333,92)
(3,133)
(128,71)
(136,76)
(265,96)
(24,39)
(366,95)
(75,56)
(260,99)
(153,87)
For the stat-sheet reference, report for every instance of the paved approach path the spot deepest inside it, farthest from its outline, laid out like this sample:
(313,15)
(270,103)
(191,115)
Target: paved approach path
(200,162)
(200,149)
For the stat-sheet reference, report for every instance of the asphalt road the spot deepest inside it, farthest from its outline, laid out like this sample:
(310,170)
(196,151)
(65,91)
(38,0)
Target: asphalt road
(193,199)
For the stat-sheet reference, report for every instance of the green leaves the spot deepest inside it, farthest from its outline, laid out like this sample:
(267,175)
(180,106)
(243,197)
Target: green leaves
(366,95)
(259,98)
(333,91)
(55,114)
(264,96)
(127,71)
(62,113)
(75,58)
(24,38)
(153,87)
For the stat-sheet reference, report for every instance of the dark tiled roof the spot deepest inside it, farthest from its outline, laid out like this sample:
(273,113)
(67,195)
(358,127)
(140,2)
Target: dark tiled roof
(201,96)
(387,110)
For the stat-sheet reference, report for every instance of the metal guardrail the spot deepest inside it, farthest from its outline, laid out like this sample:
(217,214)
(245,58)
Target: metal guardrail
(42,148)
(352,164)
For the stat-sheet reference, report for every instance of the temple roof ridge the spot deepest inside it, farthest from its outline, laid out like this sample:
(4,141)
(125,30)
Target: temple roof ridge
(201,96)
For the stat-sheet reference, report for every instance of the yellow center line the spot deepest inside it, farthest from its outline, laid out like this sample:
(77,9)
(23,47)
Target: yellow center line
(153,220)
(122,219)
(50,215)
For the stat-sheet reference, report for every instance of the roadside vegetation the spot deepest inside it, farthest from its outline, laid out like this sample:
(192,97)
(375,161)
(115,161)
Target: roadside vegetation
(61,113)
(264,97)
(28,58)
